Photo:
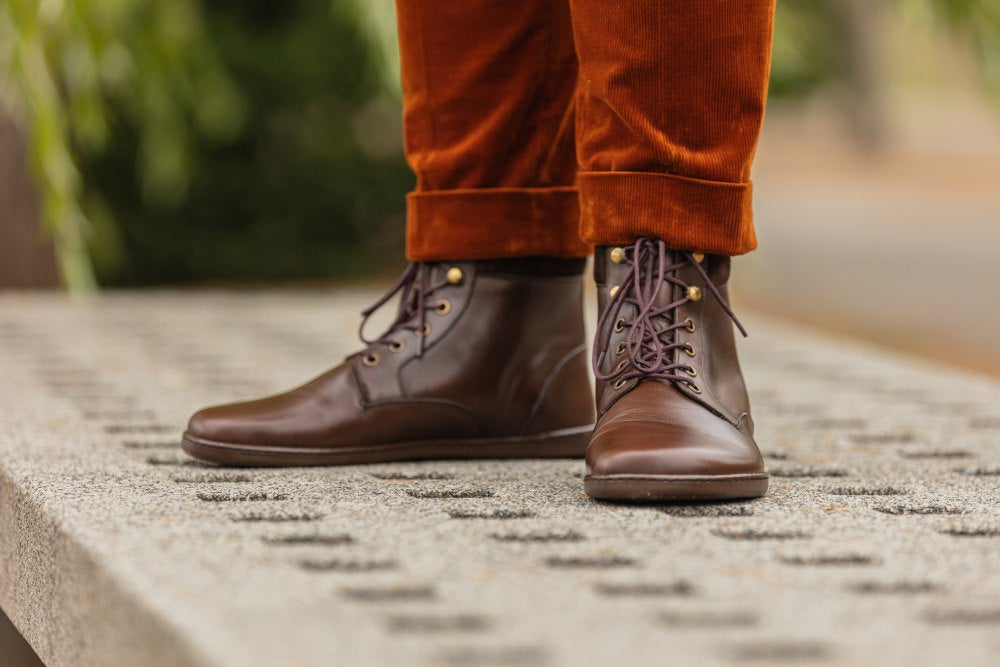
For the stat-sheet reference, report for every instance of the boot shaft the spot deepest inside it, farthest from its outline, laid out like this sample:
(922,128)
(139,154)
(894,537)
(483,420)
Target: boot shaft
(703,350)
(508,345)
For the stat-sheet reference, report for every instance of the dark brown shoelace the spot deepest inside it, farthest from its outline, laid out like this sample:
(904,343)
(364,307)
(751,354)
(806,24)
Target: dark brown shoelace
(415,288)
(651,340)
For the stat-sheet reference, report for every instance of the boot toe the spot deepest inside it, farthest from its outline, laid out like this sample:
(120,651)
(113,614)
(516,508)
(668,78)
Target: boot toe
(220,423)
(645,453)
(657,433)
(205,424)
(664,449)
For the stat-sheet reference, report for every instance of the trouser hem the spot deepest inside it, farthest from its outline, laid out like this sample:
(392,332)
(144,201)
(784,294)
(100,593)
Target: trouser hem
(617,208)
(492,223)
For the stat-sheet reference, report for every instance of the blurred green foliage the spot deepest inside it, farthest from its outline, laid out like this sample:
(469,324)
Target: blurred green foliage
(815,41)
(311,182)
(214,139)
(193,140)
(806,52)
(79,69)
(977,22)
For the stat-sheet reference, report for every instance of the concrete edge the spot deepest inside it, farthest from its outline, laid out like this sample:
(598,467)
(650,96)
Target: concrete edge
(50,583)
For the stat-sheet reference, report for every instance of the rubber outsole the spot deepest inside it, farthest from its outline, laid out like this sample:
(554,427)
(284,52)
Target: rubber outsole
(566,443)
(657,488)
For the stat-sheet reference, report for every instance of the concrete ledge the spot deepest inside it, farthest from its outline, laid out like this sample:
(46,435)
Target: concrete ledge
(878,544)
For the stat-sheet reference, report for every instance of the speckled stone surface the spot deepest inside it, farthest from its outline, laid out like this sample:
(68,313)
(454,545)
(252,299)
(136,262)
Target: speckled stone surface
(879,542)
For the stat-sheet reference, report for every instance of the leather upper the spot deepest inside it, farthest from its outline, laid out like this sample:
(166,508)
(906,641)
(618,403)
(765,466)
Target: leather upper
(652,426)
(503,355)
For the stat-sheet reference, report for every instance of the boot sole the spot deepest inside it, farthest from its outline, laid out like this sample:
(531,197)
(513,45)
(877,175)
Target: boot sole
(565,443)
(655,488)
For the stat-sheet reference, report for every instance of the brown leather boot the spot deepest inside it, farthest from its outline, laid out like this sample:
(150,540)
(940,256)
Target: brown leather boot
(483,360)
(673,415)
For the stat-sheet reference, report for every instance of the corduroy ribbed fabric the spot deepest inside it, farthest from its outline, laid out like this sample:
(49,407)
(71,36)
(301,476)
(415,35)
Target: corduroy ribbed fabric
(662,102)
(669,108)
(488,122)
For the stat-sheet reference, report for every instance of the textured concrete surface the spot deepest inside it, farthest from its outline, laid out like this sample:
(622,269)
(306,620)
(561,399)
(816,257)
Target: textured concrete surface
(879,542)
(863,243)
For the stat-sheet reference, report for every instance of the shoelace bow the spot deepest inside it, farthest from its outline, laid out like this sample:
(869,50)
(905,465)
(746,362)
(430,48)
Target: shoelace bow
(651,340)
(412,312)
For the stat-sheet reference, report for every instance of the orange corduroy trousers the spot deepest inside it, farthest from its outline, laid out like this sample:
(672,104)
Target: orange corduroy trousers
(543,127)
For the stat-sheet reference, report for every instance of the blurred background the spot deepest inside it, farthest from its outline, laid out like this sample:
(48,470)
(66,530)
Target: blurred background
(198,143)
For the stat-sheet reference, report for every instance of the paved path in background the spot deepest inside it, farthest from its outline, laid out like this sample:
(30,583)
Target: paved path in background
(901,248)
(879,542)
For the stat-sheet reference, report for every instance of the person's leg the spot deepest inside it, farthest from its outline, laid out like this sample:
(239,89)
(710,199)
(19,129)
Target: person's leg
(486,356)
(669,110)
(488,118)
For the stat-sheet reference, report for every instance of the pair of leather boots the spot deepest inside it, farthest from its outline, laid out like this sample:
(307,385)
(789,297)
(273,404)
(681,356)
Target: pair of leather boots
(489,360)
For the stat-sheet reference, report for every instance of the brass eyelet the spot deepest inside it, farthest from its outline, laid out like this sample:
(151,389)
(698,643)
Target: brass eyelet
(688,350)
(690,325)
(370,359)
(698,256)
(427,330)
(396,345)
(620,383)
(454,275)
(614,290)
(617,255)
(691,372)
(621,348)
(621,364)
(693,387)
(442,307)
(620,324)
(694,293)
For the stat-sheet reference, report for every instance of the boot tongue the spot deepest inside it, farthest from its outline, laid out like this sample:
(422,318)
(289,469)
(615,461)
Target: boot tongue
(667,292)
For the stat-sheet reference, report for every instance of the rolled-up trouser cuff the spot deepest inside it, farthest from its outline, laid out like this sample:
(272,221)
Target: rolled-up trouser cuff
(617,208)
(493,223)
